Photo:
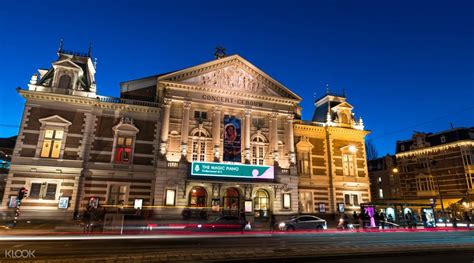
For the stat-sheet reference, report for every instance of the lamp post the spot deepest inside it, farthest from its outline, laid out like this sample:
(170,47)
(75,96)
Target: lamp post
(434,163)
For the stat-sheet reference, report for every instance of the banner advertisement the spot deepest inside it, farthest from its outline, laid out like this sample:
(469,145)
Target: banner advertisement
(232,143)
(232,170)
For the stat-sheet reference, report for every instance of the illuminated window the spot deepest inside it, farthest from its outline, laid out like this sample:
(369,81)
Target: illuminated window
(117,194)
(306,202)
(46,191)
(123,150)
(348,164)
(261,200)
(170,197)
(286,201)
(197,197)
(303,163)
(199,138)
(380,193)
(52,144)
(258,150)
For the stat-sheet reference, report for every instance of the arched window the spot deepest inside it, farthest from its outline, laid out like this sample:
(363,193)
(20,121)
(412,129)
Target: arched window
(64,82)
(199,139)
(258,149)
(197,197)
(261,203)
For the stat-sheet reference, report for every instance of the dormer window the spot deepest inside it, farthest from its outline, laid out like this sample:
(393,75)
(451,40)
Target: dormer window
(443,139)
(64,82)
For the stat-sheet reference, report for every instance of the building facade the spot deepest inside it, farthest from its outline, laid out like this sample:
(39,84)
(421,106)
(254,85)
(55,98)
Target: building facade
(331,159)
(212,139)
(438,166)
(74,145)
(384,178)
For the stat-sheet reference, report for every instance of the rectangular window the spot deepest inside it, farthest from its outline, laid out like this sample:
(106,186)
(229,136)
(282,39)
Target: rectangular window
(303,163)
(200,115)
(117,194)
(348,165)
(50,192)
(170,197)
(258,122)
(306,202)
(123,150)
(355,199)
(347,199)
(51,147)
(44,190)
(35,190)
(286,201)
(380,193)
(469,180)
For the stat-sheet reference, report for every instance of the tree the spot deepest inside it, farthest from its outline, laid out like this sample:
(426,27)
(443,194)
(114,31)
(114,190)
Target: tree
(370,150)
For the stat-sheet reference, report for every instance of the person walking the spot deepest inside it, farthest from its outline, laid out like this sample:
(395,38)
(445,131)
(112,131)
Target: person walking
(424,219)
(467,218)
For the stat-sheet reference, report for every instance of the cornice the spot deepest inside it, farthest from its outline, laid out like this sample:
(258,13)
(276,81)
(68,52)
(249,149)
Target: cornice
(346,131)
(230,93)
(85,101)
(437,148)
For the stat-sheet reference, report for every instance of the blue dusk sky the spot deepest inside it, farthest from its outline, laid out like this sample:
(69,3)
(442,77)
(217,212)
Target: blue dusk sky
(405,65)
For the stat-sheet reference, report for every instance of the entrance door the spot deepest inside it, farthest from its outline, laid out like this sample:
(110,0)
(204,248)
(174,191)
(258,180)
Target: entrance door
(231,202)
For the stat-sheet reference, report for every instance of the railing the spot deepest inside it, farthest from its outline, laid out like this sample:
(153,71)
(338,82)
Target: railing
(127,101)
(173,164)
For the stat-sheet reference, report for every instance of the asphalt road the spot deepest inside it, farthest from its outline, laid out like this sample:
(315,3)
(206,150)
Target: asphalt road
(326,247)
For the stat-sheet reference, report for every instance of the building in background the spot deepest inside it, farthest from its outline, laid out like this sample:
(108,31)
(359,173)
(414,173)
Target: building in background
(331,159)
(6,149)
(435,166)
(384,178)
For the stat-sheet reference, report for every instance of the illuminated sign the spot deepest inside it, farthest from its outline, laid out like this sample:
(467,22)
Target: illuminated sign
(232,170)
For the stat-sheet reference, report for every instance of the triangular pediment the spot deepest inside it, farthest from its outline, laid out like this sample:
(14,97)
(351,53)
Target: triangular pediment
(230,73)
(66,63)
(55,120)
(343,105)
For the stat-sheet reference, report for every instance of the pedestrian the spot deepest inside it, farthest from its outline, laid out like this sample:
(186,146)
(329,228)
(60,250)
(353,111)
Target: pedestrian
(424,219)
(272,222)
(415,220)
(467,218)
(408,218)
(355,217)
(383,219)
(455,221)
(86,219)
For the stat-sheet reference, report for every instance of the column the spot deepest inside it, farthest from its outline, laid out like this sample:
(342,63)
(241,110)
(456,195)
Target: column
(274,135)
(247,136)
(290,139)
(165,125)
(216,132)
(185,129)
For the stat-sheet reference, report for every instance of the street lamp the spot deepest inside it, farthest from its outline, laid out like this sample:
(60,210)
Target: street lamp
(434,163)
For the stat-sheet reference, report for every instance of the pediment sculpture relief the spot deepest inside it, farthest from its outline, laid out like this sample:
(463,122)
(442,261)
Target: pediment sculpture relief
(231,78)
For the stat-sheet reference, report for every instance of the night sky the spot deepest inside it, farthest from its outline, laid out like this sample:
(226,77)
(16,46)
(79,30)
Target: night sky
(405,65)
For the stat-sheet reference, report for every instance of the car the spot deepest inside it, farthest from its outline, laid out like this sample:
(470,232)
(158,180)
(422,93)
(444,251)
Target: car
(303,222)
(224,223)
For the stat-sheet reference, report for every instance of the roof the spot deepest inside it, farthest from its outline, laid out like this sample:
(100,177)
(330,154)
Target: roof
(434,139)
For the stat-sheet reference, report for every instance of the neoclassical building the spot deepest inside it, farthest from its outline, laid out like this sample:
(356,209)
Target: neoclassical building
(212,139)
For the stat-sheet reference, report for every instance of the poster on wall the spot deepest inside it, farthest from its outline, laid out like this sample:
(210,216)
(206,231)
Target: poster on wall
(248,206)
(232,144)
(215,206)
(63,202)
(340,207)
(94,202)
(322,208)
(12,203)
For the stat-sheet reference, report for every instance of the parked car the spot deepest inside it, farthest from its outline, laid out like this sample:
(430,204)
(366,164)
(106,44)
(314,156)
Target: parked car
(224,223)
(304,222)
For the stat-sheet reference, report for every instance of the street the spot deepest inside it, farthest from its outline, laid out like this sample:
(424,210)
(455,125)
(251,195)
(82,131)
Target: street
(254,247)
